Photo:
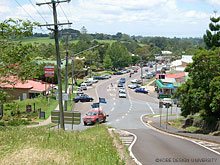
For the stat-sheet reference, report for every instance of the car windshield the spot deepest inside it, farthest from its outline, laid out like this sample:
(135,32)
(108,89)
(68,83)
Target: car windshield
(92,113)
(122,92)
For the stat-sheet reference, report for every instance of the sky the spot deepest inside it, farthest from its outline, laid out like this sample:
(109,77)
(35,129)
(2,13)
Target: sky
(168,18)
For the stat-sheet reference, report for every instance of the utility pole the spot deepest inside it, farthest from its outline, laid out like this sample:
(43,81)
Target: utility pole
(53,2)
(141,72)
(66,73)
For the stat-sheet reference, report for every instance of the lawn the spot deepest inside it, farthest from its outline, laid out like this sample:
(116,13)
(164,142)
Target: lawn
(17,109)
(45,146)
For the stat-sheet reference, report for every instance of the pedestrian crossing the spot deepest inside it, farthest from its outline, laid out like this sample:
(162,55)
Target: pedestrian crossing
(212,146)
(125,137)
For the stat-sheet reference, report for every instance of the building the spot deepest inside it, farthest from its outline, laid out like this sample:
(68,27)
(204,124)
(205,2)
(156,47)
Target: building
(19,90)
(180,65)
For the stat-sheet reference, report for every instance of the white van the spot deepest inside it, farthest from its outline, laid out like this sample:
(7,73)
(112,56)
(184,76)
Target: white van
(83,86)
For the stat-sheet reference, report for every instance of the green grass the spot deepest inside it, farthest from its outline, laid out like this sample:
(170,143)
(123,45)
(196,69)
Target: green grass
(41,40)
(44,146)
(40,102)
(192,128)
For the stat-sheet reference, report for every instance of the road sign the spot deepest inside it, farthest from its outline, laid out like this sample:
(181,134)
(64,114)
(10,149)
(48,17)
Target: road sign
(162,96)
(160,104)
(70,117)
(49,71)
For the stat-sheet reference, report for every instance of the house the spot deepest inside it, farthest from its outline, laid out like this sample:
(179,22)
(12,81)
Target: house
(180,65)
(19,90)
(166,84)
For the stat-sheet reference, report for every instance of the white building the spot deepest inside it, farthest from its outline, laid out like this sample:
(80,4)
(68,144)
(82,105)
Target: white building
(180,65)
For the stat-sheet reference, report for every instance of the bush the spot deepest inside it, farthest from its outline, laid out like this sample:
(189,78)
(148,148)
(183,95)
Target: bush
(2,123)
(17,122)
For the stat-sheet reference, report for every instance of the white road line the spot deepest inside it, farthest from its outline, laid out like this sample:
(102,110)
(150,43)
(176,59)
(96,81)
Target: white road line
(150,108)
(113,109)
(177,136)
(122,117)
(117,120)
(114,103)
(113,98)
(126,114)
(130,149)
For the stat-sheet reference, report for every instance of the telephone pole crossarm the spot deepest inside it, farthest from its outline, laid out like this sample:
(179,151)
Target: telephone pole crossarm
(52,1)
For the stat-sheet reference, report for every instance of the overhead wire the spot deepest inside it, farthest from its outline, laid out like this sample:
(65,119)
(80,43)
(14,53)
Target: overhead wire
(64,13)
(25,11)
(37,11)
(29,14)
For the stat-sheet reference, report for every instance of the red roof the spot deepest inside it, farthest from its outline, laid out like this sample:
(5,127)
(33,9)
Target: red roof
(178,75)
(28,84)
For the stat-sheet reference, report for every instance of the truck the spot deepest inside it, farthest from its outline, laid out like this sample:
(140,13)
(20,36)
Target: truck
(94,116)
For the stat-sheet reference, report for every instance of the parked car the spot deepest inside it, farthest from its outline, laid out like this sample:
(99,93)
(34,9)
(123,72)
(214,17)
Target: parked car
(141,90)
(122,80)
(146,69)
(94,116)
(117,73)
(98,78)
(106,76)
(135,70)
(133,86)
(120,84)
(151,66)
(83,86)
(82,98)
(79,91)
(122,94)
(92,80)
(88,83)
(121,89)
(136,81)
(148,76)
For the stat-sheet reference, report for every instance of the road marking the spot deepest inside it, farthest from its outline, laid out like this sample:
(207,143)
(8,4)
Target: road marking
(130,149)
(113,109)
(126,114)
(114,103)
(150,108)
(113,98)
(177,136)
(117,120)
(122,117)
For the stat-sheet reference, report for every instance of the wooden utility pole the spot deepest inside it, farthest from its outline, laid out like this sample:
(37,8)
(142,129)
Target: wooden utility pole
(53,2)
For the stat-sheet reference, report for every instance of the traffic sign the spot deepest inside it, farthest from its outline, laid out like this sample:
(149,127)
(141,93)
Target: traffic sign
(49,71)
(161,96)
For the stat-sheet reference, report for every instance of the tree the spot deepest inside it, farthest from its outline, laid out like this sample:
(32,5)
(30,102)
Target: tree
(201,92)
(107,63)
(84,36)
(15,58)
(212,36)
(144,53)
(119,55)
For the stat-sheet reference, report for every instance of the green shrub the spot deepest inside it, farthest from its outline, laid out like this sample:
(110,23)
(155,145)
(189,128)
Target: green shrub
(17,122)
(2,123)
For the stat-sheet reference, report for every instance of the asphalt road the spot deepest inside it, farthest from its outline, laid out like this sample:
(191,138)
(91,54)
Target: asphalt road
(151,147)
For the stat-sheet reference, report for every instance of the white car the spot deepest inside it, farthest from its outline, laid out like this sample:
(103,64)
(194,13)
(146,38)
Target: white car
(122,94)
(121,90)
(134,81)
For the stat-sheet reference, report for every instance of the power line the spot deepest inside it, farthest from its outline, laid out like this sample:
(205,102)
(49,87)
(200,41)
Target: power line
(64,13)
(37,11)
(29,14)
(25,10)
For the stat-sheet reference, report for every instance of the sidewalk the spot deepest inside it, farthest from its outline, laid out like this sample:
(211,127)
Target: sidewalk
(155,122)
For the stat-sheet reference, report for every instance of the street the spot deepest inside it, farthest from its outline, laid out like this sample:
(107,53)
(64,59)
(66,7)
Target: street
(151,147)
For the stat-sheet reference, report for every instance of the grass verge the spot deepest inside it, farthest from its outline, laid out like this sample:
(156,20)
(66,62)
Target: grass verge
(44,146)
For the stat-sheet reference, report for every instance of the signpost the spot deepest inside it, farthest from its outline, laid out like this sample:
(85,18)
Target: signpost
(70,117)
(160,109)
(1,111)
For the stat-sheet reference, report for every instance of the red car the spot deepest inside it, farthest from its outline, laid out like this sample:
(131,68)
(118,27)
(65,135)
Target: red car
(94,116)
(135,71)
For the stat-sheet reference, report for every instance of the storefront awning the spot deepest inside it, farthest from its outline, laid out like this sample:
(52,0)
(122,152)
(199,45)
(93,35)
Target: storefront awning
(162,85)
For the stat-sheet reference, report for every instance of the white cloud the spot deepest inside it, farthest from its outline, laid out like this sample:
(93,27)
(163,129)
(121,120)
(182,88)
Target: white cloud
(214,2)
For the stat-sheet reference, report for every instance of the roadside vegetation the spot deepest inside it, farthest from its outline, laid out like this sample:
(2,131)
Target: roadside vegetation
(45,146)
(15,113)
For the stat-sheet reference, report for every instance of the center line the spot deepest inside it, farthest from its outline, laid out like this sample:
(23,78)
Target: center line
(150,108)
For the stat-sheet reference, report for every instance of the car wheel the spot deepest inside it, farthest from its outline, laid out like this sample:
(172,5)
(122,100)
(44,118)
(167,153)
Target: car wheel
(85,123)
